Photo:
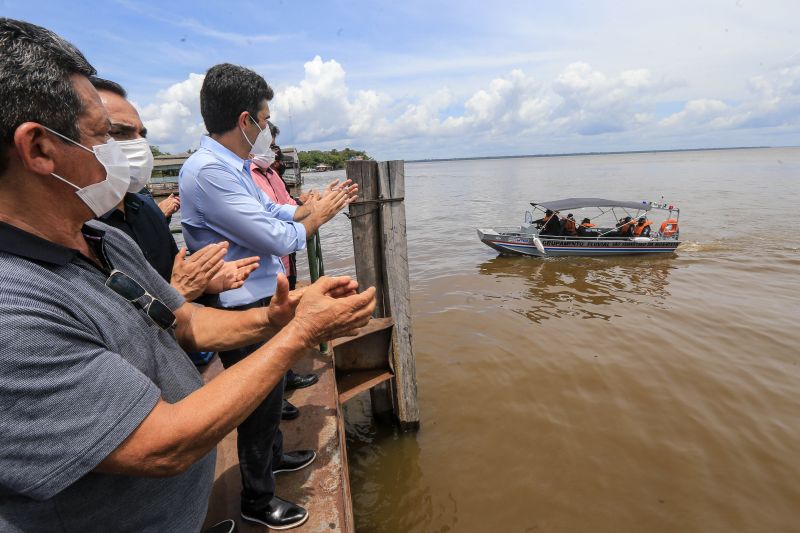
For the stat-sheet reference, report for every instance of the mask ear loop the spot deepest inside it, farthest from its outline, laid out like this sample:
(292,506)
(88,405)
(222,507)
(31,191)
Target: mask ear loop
(251,143)
(73,142)
(67,139)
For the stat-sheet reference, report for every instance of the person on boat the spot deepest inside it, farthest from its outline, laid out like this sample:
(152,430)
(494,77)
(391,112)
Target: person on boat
(221,201)
(568,227)
(625,229)
(642,227)
(585,229)
(106,423)
(549,224)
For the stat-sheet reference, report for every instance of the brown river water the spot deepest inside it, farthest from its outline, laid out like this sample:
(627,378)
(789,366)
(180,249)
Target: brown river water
(618,394)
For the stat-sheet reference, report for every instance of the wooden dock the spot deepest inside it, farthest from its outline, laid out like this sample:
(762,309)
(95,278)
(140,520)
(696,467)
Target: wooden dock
(323,488)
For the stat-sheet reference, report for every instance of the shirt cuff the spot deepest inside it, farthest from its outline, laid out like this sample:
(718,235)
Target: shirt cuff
(301,235)
(286,213)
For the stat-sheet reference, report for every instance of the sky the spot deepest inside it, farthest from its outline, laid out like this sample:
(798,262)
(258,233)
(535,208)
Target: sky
(414,80)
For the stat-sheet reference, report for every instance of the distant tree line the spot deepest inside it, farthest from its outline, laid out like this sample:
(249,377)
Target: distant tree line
(334,158)
(309,159)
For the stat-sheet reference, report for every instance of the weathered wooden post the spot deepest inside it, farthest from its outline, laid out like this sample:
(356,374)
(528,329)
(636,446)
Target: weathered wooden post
(381,259)
(365,222)
(397,288)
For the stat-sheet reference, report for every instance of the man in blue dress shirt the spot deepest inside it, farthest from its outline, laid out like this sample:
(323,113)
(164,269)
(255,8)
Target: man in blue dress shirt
(221,202)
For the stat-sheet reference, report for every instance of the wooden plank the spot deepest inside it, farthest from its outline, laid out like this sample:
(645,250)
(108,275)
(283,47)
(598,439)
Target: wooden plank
(397,290)
(365,222)
(355,382)
(324,487)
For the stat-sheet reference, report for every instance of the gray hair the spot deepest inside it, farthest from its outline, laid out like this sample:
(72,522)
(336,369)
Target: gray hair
(35,66)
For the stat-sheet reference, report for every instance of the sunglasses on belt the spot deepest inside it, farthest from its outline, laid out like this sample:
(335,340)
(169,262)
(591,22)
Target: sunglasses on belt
(129,288)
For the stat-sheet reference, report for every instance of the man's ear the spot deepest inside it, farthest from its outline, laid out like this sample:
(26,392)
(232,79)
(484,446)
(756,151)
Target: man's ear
(34,148)
(243,119)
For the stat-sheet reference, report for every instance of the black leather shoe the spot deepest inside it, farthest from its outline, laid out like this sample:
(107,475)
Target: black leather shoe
(296,381)
(279,514)
(289,411)
(293,461)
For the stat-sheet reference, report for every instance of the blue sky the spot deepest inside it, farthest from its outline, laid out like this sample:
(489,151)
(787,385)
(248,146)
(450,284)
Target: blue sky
(448,79)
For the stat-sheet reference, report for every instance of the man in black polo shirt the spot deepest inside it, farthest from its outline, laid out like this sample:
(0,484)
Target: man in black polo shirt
(106,425)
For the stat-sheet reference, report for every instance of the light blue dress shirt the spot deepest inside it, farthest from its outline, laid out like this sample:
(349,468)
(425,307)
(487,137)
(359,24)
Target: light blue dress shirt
(221,202)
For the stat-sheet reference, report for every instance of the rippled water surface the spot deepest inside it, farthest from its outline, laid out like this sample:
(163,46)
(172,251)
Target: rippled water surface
(607,394)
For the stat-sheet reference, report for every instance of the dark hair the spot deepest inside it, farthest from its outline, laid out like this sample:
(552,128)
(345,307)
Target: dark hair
(585,220)
(35,69)
(273,129)
(642,219)
(102,84)
(227,91)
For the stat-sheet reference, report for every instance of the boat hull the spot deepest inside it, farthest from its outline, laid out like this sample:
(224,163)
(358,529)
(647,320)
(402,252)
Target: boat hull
(576,247)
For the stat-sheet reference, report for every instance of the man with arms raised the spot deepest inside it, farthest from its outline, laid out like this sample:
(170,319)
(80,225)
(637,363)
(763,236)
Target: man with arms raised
(106,424)
(220,201)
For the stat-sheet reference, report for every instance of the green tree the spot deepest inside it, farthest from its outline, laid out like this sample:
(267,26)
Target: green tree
(156,151)
(334,158)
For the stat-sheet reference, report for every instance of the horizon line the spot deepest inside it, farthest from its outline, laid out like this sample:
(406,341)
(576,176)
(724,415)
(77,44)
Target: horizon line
(615,152)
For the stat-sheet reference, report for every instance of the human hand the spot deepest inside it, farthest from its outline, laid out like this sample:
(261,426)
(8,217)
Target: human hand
(309,196)
(170,205)
(191,276)
(329,309)
(232,275)
(283,303)
(347,186)
(326,207)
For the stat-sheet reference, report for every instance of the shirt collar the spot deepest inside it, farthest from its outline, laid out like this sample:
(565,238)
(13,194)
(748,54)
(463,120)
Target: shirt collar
(223,154)
(132,203)
(16,241)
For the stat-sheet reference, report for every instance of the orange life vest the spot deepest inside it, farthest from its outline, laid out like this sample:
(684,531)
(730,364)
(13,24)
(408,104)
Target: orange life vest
(638,229)
(587,225)
(669,227)
(569,226)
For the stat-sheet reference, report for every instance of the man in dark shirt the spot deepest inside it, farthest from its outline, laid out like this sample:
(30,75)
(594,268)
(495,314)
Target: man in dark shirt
(144,222)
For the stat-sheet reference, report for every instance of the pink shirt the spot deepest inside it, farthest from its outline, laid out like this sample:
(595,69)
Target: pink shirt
(268,181)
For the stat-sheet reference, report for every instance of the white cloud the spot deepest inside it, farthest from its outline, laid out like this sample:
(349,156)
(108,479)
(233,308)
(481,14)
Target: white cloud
(574,109)
(173,120)
(774,101)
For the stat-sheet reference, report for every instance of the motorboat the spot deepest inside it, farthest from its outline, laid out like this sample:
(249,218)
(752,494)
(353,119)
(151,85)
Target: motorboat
(612,230)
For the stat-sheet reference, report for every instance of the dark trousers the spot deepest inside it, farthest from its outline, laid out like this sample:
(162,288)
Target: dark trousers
(259,441)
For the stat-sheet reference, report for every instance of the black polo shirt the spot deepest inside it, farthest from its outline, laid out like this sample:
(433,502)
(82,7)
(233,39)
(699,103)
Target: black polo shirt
(144,222)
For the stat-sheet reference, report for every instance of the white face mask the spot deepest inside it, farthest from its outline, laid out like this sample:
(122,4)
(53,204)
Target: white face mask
(264,161)
(260,148)
(104,196)
(140,159)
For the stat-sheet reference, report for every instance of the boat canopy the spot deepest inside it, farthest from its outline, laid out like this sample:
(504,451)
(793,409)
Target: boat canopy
(578,203)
